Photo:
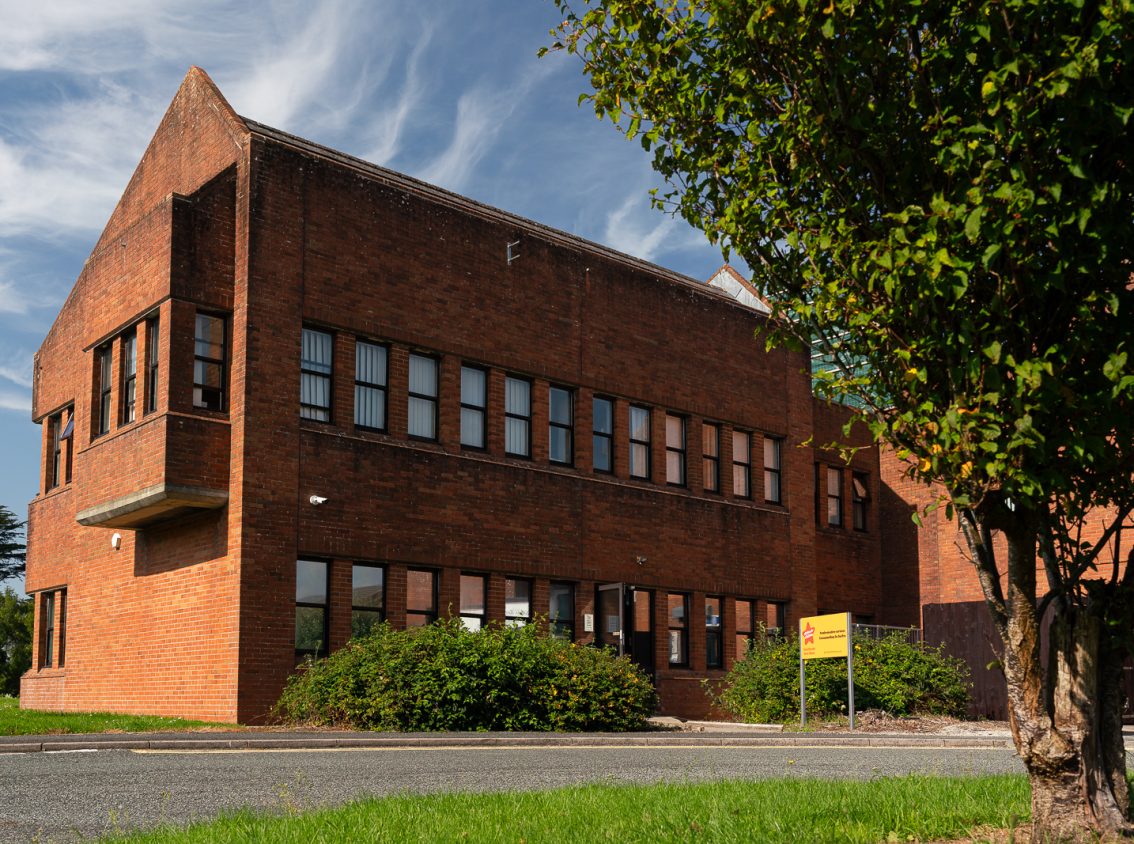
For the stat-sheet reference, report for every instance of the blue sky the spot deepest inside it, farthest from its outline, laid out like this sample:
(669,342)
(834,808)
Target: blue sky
(444,90)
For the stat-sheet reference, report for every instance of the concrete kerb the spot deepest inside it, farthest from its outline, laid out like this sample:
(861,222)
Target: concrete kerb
(189,742)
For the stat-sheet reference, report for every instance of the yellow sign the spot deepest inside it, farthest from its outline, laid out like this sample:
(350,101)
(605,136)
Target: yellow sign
(824,635)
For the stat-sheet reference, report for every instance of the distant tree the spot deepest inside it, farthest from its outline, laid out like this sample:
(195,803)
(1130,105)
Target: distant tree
(12,550)
(941,196)
(16,618)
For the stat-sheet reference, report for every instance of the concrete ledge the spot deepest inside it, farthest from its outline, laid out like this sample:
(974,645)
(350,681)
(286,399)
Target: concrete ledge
(151,504)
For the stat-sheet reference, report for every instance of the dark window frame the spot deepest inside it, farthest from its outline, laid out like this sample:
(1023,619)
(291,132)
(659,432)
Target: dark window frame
(606,436)
(860,503)
(129,388)
(104,362)
(683,628)
(647,442)
(433,400)
(427,615)
(47,623)
(221,363)
(714,633)
(511,619)
(481,410)
(567,427)
(682,451)
(834,517)
(711,463)
(307,410)
(359,609)
(511,415)
(748,634)
(152,365)
(382,388)
(556,626)
(325,606)
(61,660)
(55,432)
(774,474)
(482,616)
(746,464)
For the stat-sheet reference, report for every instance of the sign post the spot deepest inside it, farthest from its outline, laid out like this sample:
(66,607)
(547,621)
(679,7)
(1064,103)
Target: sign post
(823,637)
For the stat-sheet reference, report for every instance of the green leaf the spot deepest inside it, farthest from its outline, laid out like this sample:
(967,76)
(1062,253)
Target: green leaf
(992,351)
(972,224)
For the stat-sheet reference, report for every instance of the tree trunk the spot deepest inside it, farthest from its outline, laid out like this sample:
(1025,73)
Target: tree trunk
(1067,720)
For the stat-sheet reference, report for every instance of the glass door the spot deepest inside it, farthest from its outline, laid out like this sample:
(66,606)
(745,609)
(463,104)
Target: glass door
(609,609)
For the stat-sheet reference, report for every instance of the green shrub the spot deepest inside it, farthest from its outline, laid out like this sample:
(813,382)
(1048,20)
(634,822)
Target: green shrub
(443,677)
(889,673)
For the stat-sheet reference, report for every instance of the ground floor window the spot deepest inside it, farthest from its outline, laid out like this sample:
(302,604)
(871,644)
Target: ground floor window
(421,597)
(474,604)
(678,629)
(367,598)
(745,626)
(714,658)
(561,611)
(517,602)
(311,607)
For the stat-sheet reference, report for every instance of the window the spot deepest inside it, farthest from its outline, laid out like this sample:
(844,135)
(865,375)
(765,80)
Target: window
(56,431)
(474,400)
(103,355)
(775,617)
(47,624)
(129,376)
(421,597)
(602,441)
(517,417)
(517,602)
(714,658)
(860,499)
(745,626)
(367,598)
(422,397)
(674,450)
(151,365)
(311,607)
(834,497)
(473,601)
(741,464)
(62,625)
(561,611)
(773,493)
(639,442)
(678,629)
(209,363)
(315,364)
(370,367)
(561,421)
(711,457)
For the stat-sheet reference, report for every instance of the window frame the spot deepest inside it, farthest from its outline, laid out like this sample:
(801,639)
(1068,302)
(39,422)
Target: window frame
(512,619)
(480,410)
(513,416)
(47,626)
(55,432)
(606,436)
(104,362)
(381,388)
(152,365)
(128,391)
(468,614)
(567,427)
(325,606)
(773,471)
(681,451)
(860,504)
(711,462)
(428,616)
(714,633)
(744,465)
(433,400)
(221,364)
(317,412)
(834,517)
(358,609)
(682,629)
(747,634)
(645,445)
(555,625)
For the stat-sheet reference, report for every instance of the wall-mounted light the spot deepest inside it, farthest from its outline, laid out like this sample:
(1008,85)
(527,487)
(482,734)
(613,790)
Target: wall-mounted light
(116,541)
(640,560)
(317,500)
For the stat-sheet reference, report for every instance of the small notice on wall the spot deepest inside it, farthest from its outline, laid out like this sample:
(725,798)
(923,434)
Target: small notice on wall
(588,622)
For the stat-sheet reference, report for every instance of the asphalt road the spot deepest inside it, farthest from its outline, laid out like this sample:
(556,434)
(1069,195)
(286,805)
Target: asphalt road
(61,797)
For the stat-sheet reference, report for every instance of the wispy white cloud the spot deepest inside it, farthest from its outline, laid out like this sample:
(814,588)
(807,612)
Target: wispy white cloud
(638,229)
(385,129)
(20,402)
(16,367)
(12,299)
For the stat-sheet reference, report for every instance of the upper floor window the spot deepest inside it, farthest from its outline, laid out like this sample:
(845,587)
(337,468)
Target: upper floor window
(860,499)
(367,598)
(370,362)
(517,417)
(104,385)
(639,442)
(741,464)
(711,456)
(129,375)
(561,431)
(315,366)
(474,400)
(773,492)
(422,410)
(517,602)
(151,365)
(834,497)
(209,362)
(61,427)
(602,440)
(674,450)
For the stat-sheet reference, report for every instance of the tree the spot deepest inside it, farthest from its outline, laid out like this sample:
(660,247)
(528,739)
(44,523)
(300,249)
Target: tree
(939,195)
(16,618)
(12,556)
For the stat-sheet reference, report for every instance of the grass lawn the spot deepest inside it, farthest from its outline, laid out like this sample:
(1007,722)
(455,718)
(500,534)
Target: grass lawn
(25,722)
(914,808)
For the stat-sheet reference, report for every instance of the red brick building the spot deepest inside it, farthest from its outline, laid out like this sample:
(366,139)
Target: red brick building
(293,393)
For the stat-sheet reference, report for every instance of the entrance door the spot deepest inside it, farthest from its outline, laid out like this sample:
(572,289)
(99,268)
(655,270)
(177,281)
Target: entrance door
(626,622)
